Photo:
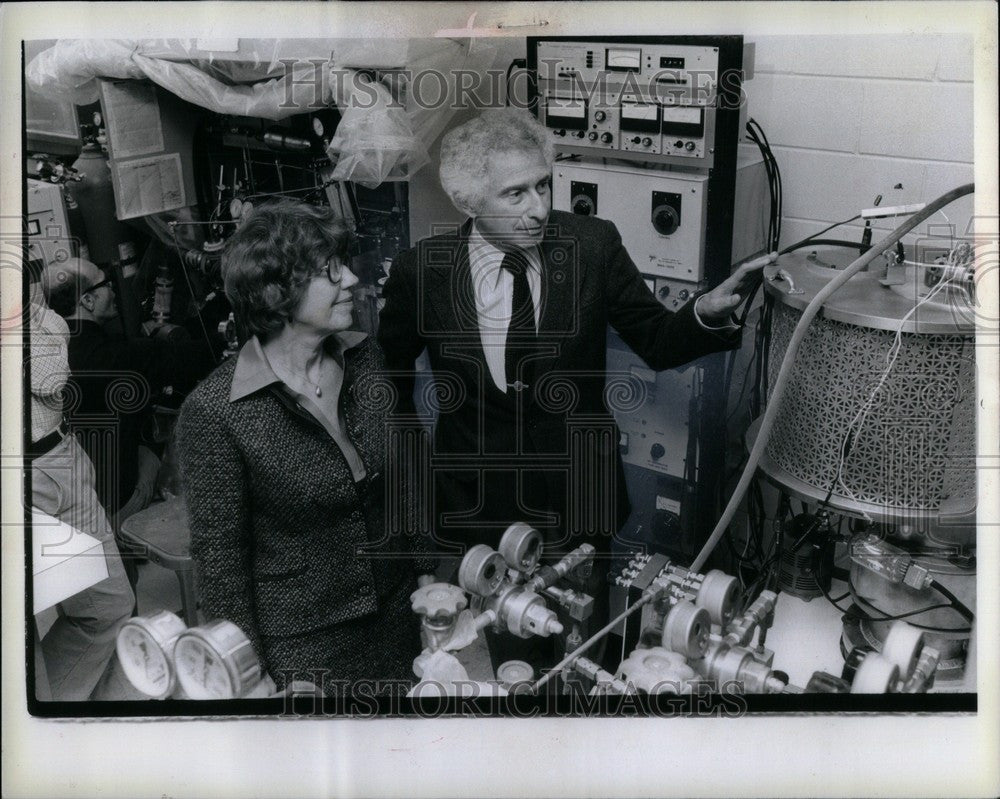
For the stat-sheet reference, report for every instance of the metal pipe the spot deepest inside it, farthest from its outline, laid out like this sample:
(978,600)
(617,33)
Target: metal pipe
(645,599)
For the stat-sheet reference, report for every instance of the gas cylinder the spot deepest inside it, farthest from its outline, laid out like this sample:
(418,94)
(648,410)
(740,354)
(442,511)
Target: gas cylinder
(108,239)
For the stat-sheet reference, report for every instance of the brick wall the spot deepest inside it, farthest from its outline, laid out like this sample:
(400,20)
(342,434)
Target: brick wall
(851,116)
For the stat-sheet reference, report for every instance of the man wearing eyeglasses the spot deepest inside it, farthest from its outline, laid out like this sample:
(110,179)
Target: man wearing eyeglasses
(114,380)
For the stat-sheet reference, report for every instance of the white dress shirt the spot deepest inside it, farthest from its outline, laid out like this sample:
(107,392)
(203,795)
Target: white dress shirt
(493,288)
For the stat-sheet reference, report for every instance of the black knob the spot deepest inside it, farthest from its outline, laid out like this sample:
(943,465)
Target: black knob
(664,219)
(690,145)
(647,142)
(683,294)
(606,138)
(559,132)
(592,135)
(678,144)
(657,451)
(579,134)
(664,292)
(600,116)
(583,205)
(636,140)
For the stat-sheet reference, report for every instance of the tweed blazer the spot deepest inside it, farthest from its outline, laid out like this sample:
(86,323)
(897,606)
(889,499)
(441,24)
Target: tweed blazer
(588,283)
(285,542)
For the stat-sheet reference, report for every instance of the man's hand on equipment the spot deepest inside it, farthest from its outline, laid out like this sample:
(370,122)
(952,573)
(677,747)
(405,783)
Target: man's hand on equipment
(715,306)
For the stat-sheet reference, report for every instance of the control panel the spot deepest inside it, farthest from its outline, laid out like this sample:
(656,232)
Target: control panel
(662,215)
(654,102)
(659,214)
(653,434)
(46,223)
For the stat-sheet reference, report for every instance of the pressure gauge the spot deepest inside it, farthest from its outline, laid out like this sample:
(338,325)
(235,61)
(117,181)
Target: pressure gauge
(235,208)
(145,649)
(216,661)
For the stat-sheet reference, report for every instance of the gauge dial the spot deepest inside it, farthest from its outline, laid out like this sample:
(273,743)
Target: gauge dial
(145,650)
(201,672)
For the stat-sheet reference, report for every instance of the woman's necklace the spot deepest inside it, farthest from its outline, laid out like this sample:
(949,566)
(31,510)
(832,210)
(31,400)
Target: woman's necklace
(315,385)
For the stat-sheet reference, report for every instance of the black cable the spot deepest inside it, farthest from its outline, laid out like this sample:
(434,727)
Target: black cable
(853,245)
(517,63)
(757,135)
(956,603)
(887,617)
(814,236)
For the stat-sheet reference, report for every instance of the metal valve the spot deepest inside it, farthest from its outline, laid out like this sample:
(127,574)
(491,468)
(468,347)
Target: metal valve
(438,602)
(657,671)
(525,613)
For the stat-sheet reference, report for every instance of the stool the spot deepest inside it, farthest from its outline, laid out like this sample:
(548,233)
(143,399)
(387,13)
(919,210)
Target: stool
(160,532)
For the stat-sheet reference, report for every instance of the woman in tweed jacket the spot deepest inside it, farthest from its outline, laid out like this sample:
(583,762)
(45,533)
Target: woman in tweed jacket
(282,455)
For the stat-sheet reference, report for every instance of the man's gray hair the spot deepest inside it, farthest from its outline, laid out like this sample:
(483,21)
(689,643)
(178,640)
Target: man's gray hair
(466,152)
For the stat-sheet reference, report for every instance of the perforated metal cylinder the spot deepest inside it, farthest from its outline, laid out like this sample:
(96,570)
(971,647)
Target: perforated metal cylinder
(911,440)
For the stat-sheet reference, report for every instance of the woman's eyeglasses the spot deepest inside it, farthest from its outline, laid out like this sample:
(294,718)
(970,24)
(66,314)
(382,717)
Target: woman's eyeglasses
(333,269)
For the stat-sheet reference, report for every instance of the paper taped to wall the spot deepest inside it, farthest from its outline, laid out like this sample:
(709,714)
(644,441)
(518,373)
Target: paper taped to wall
(148,185)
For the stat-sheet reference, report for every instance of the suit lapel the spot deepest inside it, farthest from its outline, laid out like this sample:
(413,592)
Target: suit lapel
(560,287)
(451,299)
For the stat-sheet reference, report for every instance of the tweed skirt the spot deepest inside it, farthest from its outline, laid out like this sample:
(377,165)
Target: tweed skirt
(372,654)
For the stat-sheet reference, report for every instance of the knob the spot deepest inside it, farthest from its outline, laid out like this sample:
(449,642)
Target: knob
(559,132)
(579,134)
(664,219)
(583,205)
(606,138)
(600,116)
(438,601)
(647,142)
(657,671)
(664,292)
(678,144)
(689,146)
(592,135)
(683,294)
(635,140)
(657,451)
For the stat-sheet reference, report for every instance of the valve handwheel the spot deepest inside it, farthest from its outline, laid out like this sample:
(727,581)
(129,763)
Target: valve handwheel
(438,601)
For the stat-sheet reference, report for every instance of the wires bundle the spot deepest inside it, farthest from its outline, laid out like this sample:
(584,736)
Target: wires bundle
(757,136)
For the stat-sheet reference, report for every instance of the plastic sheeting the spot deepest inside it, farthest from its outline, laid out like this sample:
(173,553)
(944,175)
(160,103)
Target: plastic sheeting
(277,78)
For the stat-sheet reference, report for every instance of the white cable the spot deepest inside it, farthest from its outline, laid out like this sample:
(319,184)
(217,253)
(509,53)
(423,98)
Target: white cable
(861,416)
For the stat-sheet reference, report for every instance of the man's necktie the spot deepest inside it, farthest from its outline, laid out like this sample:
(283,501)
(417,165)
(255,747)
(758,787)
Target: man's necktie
(521,330)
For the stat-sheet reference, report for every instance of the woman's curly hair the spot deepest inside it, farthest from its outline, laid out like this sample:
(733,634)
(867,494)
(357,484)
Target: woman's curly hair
(269,259)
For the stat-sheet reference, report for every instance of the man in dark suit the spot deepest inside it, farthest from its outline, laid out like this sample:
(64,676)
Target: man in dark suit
(513,309)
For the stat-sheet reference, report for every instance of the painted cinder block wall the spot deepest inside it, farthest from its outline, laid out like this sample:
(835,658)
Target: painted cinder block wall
(851,116)
(848,116)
